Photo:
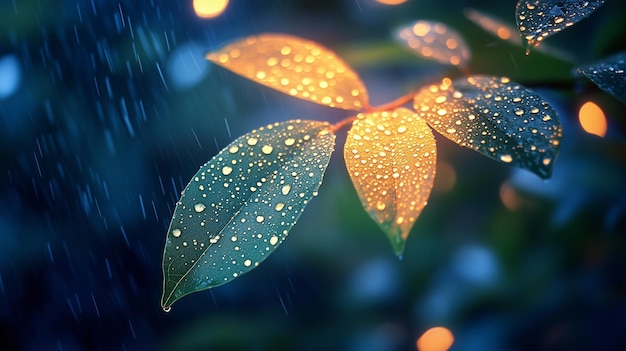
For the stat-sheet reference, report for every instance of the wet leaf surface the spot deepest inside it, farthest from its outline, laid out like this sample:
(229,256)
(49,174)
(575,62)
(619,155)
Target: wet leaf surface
(608,74)
(539,19)
(295,66)
(241,205)
(496,117)
(391,159)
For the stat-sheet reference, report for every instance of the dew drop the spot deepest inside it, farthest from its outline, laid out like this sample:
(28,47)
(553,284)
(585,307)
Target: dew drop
(199,207)
(400,220)
(506,158)
(267,149)
(247,263)
(233,149)
(176,232)
(227,170)
(167,309)
(279,206)
(273,240)
(380,206)
(252,141)
(286,189)
(260,219)
(290,141)
(401,129)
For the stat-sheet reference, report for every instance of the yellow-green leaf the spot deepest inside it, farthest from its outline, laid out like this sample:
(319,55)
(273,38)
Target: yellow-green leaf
(539,19)
(391,159)
(434,41)
(241,204)
(295,66)
(496,117)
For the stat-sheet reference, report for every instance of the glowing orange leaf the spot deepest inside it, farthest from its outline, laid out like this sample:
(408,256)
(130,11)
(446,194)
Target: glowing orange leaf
(391,159)
(435,41)
(295,66)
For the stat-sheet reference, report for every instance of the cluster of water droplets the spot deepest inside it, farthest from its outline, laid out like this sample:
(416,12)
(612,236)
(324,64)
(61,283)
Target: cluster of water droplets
(297,67)
(496,117)
(241,204)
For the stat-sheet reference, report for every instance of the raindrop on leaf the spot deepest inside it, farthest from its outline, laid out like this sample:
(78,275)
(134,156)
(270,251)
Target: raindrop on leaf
(295,66)
(496,117)
(434,41)
(391,159)
(608,74)
(539,19)
(226,223)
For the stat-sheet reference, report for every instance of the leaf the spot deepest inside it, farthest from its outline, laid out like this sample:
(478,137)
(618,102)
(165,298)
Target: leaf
(434,41)
(295,66)
(241,204)
(539,19)
(391,158)
(608,74)
(496,117)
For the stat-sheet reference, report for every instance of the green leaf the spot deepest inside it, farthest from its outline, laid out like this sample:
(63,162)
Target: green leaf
(496,117)
(391,159)
(608,74)
(241,204)
(539,19)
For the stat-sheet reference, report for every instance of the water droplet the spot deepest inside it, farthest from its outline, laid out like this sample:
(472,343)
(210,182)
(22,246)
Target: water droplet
(286,188)
(260,219)
(401,129)
(400,220)
(247,263)
(380,206)
(506,158)
(290,141)
(252,141)
(176,232)
(167,309)
(227,170)
(267,149)
(233,149)
(279,206)
(199,207)
(273,240)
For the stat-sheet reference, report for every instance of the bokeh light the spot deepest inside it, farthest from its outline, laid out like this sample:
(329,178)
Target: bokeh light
(446,177)
(391,2)
(209,8)
(11,75)
(509,197)
(592,119)
(435,339)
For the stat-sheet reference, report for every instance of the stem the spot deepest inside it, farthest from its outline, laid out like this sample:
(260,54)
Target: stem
(395,103)
(369,109)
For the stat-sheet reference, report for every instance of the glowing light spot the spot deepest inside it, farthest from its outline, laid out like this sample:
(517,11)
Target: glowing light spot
(176,233)
(227,170)
(592,119)
(421,28)
(391,2)
(209,8)
(435,339)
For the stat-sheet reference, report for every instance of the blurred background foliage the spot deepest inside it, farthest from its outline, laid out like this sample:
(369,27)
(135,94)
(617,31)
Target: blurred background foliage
(108,108)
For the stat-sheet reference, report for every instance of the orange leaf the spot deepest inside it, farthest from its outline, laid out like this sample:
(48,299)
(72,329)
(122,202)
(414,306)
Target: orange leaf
(391,159)
(295,66)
